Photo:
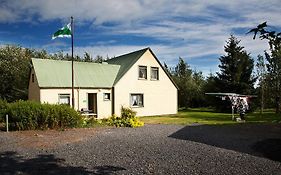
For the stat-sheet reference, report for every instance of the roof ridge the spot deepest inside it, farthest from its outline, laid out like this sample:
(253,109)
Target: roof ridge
(131,53)
(126,61)
(69,61)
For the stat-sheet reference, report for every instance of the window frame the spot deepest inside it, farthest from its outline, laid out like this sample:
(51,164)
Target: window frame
(138,105)
(153,69)
(104,96)
(139,68)
(64,95)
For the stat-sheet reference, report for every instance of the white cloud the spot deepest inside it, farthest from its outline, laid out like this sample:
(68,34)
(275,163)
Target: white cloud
(190,29)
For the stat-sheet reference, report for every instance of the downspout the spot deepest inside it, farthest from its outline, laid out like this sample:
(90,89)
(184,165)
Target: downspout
(78,99)
(113,101)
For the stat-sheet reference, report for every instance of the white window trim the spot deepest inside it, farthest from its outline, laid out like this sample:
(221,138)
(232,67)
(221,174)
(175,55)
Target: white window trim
(136,106)
(153,79)
(63,95)
(139,72)
(106,99)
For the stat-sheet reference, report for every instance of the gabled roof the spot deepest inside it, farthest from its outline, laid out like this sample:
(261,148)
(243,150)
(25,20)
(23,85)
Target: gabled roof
(126,62)
(57,74)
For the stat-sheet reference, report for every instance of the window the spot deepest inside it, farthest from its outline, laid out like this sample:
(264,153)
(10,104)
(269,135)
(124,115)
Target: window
(106,96)
(142,72)
(64,99)
(154,73)
(137,100)
(32,78)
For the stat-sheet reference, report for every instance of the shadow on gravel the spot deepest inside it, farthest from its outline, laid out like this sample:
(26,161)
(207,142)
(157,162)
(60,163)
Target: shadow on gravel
(11,164)
(270,148)
(263,140)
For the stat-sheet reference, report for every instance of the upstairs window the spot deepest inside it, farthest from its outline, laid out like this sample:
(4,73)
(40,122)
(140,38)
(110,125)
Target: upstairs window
(137,100)
(142,72)
(154,73)
(64,99)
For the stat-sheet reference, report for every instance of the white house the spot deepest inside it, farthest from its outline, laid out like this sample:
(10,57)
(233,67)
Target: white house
(135,80)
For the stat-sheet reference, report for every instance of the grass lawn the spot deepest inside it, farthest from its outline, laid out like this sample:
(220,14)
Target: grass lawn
(208,116)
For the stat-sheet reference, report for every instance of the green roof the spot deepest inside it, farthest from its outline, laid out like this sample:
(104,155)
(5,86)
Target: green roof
(57,74)
(126,62)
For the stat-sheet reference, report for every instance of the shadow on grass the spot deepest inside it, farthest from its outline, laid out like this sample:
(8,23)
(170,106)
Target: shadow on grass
(11,164)
(263,140)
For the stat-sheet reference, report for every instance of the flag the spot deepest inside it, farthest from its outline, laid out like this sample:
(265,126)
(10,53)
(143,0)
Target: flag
(63,32)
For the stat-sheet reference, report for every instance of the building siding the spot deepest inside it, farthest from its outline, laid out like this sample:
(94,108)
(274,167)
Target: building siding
(103,107)
(33,89)
(160,96)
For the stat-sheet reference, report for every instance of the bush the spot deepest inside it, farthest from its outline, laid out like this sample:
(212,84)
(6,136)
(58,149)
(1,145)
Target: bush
(3,109)
(92,122)
(28,115)
(128,119)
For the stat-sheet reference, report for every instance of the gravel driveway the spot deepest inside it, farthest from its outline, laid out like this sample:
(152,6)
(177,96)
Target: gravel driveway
(153,149)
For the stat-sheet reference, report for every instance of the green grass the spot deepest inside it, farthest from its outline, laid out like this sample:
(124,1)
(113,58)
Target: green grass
(208,116)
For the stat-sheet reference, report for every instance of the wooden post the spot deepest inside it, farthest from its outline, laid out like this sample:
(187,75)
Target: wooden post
(7,123)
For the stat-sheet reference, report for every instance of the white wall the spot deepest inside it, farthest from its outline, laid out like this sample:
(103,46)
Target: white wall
(160,97)
(33,88)
(103,107)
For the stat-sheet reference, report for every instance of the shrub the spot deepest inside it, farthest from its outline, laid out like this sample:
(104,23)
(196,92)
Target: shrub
(29,115)
(91,122)
(3,109)
(128,119)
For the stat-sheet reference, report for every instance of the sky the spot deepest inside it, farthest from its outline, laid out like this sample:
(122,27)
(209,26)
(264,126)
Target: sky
(196,30)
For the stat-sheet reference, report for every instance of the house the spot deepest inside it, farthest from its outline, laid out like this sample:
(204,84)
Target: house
(135,80)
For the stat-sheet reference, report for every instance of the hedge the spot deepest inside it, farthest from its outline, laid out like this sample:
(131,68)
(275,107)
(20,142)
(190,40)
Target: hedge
(3,108)
(29,115)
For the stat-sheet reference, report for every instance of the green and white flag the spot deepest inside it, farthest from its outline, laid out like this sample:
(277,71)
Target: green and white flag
(63,32)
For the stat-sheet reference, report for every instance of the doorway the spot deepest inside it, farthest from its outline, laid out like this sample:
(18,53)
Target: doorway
(92,102)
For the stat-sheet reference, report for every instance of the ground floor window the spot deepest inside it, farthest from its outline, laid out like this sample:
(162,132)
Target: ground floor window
(64,99)
(137,100)
(106,96)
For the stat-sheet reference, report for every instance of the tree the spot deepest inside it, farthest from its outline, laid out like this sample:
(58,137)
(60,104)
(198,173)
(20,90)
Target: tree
(87,57)
(98,59)
(14,72)
(190,83)
(197,89)
(182,76)
(167,69)
(261,71)
(273,60)
(236,69)
(15,65)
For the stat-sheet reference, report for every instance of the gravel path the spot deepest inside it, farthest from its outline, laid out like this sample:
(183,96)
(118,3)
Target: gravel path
(153,149)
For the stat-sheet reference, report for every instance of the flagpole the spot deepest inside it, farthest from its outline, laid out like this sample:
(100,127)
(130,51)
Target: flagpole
(72,66)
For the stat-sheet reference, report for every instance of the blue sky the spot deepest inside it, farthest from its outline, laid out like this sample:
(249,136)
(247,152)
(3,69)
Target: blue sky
(194,30)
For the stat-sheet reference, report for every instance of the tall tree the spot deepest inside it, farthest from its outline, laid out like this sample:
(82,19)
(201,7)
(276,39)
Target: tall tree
(99,59)
(87,57)
(197,92)
(236,69)
(261,72)
(167,69)
(182,76)
(273,60)
(14,72)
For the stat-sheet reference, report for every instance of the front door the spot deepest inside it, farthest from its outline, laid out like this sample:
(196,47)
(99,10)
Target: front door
(92,102)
